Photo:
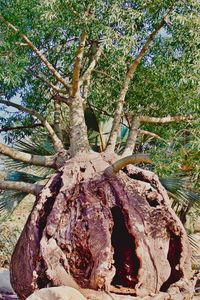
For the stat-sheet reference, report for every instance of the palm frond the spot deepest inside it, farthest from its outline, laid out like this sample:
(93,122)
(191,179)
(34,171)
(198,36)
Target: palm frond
(177,188)
(9,200)
(172,184)
(184,199)
(22,176)
(195,246)
(38,145)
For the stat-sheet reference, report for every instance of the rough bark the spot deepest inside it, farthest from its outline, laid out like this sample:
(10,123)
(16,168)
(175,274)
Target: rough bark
(94,230)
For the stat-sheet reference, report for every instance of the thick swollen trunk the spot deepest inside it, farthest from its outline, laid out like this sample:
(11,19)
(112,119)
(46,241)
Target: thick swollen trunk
(91,229)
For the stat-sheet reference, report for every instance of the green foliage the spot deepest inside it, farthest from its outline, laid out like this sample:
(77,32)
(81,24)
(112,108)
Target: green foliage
(168,74)
(9,200)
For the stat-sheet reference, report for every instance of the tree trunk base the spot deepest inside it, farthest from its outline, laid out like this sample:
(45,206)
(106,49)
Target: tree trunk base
(92,230)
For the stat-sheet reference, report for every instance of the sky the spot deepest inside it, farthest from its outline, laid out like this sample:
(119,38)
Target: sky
(15,99)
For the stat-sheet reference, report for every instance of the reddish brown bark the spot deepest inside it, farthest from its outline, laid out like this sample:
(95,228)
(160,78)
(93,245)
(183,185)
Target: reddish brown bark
(92,229)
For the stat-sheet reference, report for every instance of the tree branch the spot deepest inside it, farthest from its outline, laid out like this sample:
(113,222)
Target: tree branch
(123,162)
(118,112)
(86,87)
(77,66)
(132,137)
(50,84)
(165,120)
(20,127)
(37,52)
(58,145)
(146,132)
(92,65)
(57,120)
(37,160)
(28,188)
(78,129)
(136,122)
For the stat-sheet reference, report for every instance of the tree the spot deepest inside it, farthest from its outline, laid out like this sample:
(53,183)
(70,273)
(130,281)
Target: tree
(84,56)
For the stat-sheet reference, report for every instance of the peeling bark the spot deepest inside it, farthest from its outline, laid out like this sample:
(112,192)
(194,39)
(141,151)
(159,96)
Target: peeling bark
(93,230)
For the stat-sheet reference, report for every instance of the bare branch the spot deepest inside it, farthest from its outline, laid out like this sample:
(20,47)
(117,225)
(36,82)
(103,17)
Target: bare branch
(86,87)
(5,129)
(132,137)
(50,84)
(152,134)
(118,112)
(77,66)
(29,188)
(166,120)
(123,162)
(92,65)
(56,141)
(37,52)
(37,160)
(78,128)
(57,119)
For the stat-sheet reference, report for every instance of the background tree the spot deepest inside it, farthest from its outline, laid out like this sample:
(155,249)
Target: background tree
(135,61)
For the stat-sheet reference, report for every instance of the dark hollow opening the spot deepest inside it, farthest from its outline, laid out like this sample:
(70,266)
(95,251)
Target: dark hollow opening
(174,254)
(153,203)
(126,261)
(42,280)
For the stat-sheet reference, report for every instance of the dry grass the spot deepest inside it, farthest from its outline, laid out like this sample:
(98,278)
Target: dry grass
(11,228)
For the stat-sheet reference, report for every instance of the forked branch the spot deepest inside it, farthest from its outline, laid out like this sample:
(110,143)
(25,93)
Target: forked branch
(120,103)
(58,145)
(137,121)
(55,73)
(21,186)
(92,65)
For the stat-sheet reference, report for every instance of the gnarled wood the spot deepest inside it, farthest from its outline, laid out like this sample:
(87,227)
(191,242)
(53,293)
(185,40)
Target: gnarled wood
(90,229)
